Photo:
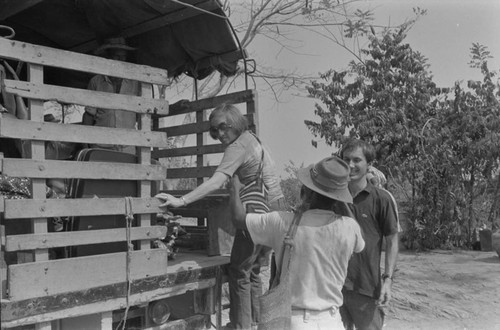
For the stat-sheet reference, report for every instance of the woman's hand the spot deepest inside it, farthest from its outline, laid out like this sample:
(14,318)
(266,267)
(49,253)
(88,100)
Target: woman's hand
(170,200)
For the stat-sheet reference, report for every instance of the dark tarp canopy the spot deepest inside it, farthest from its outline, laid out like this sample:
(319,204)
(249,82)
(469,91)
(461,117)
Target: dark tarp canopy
(168,34)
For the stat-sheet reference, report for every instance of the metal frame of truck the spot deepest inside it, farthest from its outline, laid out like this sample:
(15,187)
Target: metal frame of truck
(98,291)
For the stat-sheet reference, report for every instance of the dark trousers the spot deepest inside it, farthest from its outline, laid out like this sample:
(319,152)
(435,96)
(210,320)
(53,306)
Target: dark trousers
(245,285)
(361,311)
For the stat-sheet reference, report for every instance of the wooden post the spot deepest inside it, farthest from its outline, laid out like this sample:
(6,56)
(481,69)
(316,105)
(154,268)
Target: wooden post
(39,225)
(200,159)
(145,159)
(253,108)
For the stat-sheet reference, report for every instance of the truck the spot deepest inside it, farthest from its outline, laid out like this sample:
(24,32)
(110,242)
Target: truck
(108,268)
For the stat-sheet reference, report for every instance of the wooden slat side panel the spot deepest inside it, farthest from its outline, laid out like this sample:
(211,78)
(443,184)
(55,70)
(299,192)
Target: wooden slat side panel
(195,128)
(84,97)
(191,172)
(187,272)
(47,56)
(209,103)
(186,129)
(30,130)
(84,170)
(54,240)
(188,151)
(33,208)
(52,277)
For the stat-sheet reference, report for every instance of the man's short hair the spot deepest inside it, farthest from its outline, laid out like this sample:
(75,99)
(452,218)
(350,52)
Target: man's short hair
(353,144)
(233,116)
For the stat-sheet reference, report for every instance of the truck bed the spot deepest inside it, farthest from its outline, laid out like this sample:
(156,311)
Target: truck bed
(190,270)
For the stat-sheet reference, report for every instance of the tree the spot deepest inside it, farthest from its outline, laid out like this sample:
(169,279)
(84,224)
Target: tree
(291,185)
(278,20)
(439,149)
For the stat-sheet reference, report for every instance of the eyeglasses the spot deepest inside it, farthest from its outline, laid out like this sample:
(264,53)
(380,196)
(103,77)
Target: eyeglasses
(214,131)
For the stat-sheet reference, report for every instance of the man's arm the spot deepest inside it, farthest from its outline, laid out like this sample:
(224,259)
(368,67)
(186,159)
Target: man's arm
(235,204)
(391,256)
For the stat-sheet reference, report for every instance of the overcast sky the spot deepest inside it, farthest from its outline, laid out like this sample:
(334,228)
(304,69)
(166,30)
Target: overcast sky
(444,36)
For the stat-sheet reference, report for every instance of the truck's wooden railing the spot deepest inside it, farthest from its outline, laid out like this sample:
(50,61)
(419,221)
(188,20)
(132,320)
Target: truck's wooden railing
(40,289)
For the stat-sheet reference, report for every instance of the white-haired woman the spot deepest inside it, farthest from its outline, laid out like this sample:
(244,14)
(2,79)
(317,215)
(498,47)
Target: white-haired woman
(245,157)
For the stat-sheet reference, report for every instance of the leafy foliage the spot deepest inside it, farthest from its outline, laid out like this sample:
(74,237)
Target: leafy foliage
(291,185)
(441,150)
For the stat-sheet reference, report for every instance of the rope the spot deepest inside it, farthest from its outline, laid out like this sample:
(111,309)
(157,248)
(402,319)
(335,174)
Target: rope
(129,217)
(11,30)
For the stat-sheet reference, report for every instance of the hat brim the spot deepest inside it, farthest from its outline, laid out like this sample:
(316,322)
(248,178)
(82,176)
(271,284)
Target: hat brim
(304,176)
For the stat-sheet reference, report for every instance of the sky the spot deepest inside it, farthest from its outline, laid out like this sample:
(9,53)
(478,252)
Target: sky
(445,36)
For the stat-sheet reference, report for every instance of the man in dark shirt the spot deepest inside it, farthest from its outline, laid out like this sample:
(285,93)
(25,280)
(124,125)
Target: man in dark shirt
(366,291)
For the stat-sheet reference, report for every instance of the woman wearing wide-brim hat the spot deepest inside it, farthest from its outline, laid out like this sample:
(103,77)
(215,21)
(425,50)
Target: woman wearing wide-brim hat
(322,245)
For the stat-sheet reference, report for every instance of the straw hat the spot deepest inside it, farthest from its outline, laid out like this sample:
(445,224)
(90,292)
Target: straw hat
(113,43)
(329,177)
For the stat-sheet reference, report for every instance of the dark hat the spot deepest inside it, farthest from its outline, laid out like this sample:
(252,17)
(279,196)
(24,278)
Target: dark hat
(113,43)
(329,177)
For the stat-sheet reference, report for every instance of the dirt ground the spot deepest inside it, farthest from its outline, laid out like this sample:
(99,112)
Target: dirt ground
(443,290)
(446,290)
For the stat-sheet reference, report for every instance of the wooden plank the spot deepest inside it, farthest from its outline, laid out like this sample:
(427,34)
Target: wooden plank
(26,129)
(62,306)
(145,160)
(38,186)
(201,160)
(83,170)
(210,103)
(252,109)
(188,151)
(74,238)
(85,97)
(195,128)
(187,272)
(32,208)
(185,129)
(191,172)
(30,53)
(53,277)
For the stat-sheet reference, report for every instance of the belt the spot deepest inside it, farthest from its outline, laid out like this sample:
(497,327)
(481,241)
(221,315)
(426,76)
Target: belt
(308,313)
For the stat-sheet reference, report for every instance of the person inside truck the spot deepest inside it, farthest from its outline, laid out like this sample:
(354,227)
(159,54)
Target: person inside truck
(246,157)
(115,49)
(322,246)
